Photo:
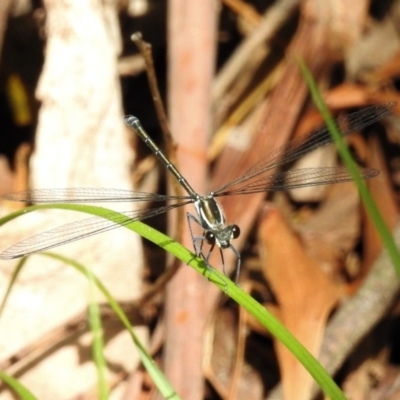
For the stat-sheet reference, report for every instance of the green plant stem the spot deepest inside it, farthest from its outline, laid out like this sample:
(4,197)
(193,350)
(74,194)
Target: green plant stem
(344,152)
(98,339)
(257,310)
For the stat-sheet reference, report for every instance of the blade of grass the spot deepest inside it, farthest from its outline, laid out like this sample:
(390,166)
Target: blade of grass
(98,342)
(257,310)
(14,277)
(158,377)
(143,230)
(22,392)
(365,195)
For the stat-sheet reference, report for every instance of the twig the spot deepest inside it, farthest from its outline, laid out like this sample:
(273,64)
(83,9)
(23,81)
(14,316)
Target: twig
(363,311)
(240,352)
(146,52)
(192,37)
(244,10)
(272,21)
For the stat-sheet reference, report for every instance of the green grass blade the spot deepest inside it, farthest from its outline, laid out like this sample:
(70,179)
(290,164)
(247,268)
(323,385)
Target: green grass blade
(158,377)
(21,391)
(257,310)
(17,270)
(365,195)
(98,342)
(143,230)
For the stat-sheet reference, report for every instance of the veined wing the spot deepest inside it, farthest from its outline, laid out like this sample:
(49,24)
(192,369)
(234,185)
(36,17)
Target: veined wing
(298,147)
(78,230)
(297,178)
(86,195)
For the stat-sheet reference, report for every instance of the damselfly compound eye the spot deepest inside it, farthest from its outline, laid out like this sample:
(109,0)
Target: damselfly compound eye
(258,179)
(235,231)
(210,238)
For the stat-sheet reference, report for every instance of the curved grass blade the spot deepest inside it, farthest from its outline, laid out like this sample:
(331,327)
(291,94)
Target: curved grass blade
(257,310)
(366,197)
(98,339)
(20,390)
(78,230)
(158,377)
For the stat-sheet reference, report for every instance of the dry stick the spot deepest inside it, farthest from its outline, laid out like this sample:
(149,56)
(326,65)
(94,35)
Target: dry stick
(358,315)
(242,111)
(192,45)
(145,50)
(236,75)
(244,10)
(209,373)
(51,341)
(241,349)
(272,21)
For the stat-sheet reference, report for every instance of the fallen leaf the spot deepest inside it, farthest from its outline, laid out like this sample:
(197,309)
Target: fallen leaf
(305,295)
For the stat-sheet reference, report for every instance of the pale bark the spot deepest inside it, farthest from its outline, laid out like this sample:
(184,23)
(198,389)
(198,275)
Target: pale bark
(81,141)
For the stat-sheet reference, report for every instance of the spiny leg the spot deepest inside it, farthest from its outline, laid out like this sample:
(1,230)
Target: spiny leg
(199,249)
(238,264)
(195,239)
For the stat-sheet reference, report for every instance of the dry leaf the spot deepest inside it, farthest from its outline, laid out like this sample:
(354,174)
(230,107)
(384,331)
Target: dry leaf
(305,295)
(221,348)
(331,232)
(385,198)
(354,95)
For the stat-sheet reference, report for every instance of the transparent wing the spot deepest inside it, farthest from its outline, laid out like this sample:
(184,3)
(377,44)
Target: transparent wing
(79,230)
(86,195)
(297,178)
(298,147)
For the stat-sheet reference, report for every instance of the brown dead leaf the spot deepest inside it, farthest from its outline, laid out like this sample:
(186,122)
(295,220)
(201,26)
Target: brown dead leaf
(17,180)
(305,294)
(246,11)
(387,71)
(6,176)
(331,232)
(385,199)
(368,368)
(223,357)
(360,382)
(388,386)
(355,95)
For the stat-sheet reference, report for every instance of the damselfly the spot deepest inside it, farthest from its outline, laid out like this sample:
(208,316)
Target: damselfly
(210,216)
